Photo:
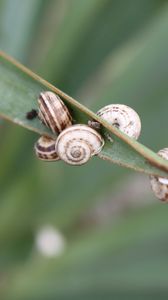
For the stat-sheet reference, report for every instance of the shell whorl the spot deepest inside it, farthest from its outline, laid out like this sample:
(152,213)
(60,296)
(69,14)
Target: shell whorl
(159,185)
(78,143)
(53,112)
(45,149)
(123,117)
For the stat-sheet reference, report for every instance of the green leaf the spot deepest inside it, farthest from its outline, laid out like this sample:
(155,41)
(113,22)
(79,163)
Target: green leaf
(19,85)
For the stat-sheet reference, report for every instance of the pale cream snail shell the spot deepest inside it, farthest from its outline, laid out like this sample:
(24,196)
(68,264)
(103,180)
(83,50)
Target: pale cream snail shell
(121,116)
(159,185)
(45,149)
(78,143)
(53,112)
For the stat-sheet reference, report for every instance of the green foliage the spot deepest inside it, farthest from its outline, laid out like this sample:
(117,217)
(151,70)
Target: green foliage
(19,85)
(99,52)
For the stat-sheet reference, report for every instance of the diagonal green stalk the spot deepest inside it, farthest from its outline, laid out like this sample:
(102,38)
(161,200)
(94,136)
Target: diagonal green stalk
(19,89)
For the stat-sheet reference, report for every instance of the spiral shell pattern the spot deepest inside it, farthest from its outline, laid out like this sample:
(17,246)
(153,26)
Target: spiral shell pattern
(53,112)
(123,117)
(78,143)
(45,149)
(159,185)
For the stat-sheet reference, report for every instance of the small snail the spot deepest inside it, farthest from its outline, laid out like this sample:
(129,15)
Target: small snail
(78,143)
(45,149)
(121,116)
(159,185)
(53,112)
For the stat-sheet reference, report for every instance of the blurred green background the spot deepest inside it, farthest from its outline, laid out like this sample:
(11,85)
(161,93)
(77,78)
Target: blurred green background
(96,231)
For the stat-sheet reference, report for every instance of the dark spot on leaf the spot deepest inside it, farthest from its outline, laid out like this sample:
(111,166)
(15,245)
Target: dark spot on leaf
(30,115)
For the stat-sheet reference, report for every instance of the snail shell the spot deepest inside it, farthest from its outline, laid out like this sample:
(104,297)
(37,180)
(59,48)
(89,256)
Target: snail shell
(53,112)
(45,149)
(121,116)
(78,143)
(159,185)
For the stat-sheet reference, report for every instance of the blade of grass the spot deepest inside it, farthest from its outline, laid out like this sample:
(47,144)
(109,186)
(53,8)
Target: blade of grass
(21,86)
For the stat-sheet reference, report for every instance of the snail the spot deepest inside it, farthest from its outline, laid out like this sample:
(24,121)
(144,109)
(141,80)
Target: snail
(121,116)
(78,143)
(45,149)
(53,112)
(159,185)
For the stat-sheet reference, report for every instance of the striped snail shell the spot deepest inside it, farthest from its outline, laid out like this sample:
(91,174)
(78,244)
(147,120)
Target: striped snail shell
(121,116)
(159,185)
(78,143)
(45,149)
(53,112)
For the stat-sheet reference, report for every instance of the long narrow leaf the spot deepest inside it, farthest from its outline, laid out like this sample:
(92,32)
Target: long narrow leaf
(19,89)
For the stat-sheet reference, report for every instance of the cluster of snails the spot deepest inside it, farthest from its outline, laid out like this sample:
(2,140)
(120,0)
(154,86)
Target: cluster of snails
(77,143)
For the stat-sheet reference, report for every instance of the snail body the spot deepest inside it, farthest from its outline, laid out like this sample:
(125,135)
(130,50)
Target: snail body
(159,185)
(78,143)
(45,149)
(53,112)
(121,116)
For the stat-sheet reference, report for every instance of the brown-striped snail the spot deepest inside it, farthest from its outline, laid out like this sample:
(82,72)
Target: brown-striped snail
(56,116)
(78,143)
(45,149)
(53,112)
(159,185)
(121,116)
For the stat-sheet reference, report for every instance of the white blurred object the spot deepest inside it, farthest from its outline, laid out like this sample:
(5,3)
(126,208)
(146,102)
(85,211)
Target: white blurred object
(49,241)
(163,180)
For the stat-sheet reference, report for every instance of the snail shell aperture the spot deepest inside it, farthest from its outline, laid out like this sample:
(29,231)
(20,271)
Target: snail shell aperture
(78,143)
(45,149)
(53,112)
(159,185)
(121,116)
